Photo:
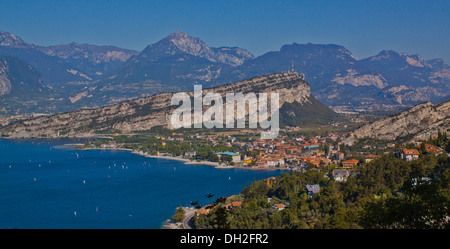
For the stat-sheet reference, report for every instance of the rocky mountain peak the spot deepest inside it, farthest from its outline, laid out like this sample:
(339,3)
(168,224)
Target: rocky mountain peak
(385,54)
(391,56)
(177,35)
(12,41)
(178,43)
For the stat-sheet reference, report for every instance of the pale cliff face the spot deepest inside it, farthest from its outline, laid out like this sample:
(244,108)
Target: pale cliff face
(5,84)
(145,113)
(421,121)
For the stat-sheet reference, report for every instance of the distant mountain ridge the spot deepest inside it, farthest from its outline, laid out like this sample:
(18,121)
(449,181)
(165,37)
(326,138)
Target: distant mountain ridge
(338,78)
(65,63)
(92,76)
(175,63)
(90,59)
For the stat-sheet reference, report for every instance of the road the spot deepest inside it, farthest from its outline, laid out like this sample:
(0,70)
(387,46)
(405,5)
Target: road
(188,222)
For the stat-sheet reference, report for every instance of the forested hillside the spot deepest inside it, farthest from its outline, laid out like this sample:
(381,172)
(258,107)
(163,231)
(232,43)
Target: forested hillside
(385,193)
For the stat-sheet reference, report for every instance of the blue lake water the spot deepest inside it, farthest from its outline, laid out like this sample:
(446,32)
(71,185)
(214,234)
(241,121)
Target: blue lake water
(44,184)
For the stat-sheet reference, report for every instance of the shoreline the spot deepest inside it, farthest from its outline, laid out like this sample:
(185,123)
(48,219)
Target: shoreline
(208,163)
(185,160)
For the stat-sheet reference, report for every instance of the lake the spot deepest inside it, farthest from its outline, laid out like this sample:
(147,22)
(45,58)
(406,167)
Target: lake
(47,184)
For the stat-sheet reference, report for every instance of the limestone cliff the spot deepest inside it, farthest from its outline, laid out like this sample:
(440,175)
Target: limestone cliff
(421,121)
(145,113)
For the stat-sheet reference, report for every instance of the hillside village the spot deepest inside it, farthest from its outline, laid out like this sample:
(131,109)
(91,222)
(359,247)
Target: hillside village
(270,196)
(290,151)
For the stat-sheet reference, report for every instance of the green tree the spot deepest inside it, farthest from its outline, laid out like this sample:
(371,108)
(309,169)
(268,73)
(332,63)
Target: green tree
(179,215)
(220,218)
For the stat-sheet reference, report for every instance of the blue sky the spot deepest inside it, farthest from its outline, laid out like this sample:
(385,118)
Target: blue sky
(364,27)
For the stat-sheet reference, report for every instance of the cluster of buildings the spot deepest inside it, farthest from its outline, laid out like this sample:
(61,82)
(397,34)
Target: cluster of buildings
(292,152)
(297,153)
(282,152)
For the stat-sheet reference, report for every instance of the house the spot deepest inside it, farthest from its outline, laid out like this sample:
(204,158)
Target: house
(313,146)
(248,160)
(178,139)
(270,179)
(278,206)
(309,146)
(272,163)
(420,181)
(429,148)
(204,210)
(434,151)
(349,164)
(190,154)
(339,156)
(233,205)
(109,145)
(410,154)
(390,145)
(235,157)
(312,189)
(340,175)
(320,153)
(369,158)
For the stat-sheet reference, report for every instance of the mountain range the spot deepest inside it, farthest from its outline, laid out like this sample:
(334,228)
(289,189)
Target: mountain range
(85,76)
(297,105)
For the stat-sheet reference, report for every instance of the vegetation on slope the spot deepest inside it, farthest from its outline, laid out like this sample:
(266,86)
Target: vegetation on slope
(385,193)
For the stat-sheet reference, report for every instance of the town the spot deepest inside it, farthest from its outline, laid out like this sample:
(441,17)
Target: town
(291,150)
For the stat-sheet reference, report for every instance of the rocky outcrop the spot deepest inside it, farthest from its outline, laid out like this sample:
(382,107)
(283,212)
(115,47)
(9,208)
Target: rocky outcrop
(421,121)
(352,78)
(148,112)
(5,83)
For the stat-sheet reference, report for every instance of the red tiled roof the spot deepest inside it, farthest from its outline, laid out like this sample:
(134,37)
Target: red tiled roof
(352,161)
(410,152)
(236,203)
(279,205)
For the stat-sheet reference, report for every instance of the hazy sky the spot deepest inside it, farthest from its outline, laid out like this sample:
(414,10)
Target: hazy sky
(364,27)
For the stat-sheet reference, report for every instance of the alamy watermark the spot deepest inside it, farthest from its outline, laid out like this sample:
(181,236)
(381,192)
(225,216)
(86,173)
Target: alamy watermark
(237,107)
